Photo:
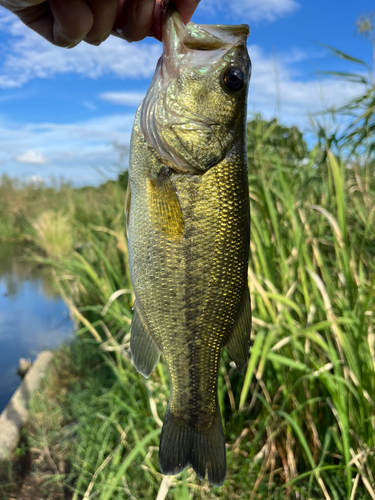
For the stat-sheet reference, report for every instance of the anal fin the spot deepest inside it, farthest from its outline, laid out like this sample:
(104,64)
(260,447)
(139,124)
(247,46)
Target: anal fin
(238,343)
(145,353)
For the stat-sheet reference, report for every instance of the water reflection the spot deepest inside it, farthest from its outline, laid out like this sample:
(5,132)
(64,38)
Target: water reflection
(32,315)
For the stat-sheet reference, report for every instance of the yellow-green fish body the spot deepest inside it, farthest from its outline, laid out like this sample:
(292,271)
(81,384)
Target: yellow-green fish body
(188,229)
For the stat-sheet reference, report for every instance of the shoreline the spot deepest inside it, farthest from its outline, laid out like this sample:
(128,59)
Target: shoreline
(15,414)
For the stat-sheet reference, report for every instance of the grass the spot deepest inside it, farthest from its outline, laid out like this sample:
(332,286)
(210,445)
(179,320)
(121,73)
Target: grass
(53,233)
(312,281)
(23,204)
(301,422)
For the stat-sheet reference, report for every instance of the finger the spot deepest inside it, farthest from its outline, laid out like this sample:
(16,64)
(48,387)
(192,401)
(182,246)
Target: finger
(105,14)
(39,18)
(17,5)
(73,20)
(186,8)
(157,20)
(62,22)
(135,20)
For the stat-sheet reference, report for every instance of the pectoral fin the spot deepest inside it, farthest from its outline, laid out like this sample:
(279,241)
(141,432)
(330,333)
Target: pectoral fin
(145,353)
(238,343)
(165,207)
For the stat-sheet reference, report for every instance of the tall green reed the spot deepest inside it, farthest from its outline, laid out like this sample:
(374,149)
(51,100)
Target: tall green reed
(312,284)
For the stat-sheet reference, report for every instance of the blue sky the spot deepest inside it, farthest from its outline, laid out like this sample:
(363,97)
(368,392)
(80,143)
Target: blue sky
(63,113)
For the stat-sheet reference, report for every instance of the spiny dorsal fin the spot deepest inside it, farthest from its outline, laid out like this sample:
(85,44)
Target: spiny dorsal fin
(145,353)
(164,206)
(238,344)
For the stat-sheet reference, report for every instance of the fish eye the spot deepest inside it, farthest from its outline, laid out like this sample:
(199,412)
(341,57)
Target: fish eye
(233,78)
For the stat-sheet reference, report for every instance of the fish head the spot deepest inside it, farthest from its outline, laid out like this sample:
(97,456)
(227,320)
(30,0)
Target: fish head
(195,108)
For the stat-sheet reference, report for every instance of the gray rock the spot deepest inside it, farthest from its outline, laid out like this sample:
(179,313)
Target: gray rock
(15,414)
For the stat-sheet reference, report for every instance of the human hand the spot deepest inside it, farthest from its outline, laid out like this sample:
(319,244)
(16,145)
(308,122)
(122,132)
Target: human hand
(130,29)
(67,22)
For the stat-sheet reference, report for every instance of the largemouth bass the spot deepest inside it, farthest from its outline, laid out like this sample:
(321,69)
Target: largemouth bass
(188,223)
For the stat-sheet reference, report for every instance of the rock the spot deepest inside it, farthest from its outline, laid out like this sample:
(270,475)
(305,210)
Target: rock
(23,366)
(15,414)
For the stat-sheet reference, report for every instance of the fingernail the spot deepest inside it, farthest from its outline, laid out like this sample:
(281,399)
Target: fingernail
(62,40)
(73,44)
(144,12)
(99,41)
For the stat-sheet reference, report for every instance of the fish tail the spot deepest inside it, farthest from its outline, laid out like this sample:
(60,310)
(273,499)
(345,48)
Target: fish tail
(182,444)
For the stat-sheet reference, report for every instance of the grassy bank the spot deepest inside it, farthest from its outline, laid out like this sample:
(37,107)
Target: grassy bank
(301,423)
(29,211)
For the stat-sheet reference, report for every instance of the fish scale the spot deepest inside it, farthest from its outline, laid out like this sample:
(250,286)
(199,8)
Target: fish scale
(188,228)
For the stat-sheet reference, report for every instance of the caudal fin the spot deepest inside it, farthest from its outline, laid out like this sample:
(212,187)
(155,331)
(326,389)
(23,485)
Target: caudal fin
(203,449)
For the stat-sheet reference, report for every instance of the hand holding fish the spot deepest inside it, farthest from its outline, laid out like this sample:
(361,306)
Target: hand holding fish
(68,22)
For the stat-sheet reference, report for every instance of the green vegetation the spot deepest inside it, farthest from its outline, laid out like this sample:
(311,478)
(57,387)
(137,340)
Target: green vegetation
(53,233)
(301,422)
(359,111)
(302,418)
(21,204)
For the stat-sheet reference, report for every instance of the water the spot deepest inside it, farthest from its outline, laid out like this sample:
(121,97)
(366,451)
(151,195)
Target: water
(33,317)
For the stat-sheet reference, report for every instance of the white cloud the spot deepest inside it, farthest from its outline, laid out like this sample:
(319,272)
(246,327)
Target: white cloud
(73,150)
(32,157)
(124,98)
(25,55)
(255,10)
(277,88)
(35,179)
(6,18)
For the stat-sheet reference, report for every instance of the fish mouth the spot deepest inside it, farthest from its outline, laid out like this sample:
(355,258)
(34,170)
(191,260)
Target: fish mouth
(178,39)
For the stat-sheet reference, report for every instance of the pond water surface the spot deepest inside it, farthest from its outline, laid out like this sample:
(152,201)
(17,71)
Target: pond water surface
(33,317)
